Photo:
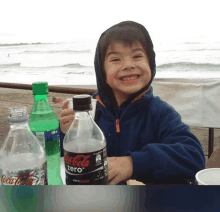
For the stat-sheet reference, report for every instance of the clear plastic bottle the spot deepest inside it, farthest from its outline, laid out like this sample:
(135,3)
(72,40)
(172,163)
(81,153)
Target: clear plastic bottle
(45,125)
(85,153)
(23,159)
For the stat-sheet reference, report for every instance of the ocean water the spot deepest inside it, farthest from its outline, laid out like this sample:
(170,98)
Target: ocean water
(72,63)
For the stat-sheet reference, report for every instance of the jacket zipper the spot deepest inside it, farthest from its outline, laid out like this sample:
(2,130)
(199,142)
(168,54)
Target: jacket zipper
(117,140)
(117,123)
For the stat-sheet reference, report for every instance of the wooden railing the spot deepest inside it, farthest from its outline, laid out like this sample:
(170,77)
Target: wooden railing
(55,89)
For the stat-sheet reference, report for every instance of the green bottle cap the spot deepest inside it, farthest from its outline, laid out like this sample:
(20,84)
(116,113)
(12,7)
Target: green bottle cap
(40,88)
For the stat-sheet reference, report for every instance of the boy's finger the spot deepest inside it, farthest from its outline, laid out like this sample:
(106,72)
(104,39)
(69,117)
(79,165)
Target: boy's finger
(66,119)
(66,126)
(67,112)
(111,174)
(65,104)
(113,178)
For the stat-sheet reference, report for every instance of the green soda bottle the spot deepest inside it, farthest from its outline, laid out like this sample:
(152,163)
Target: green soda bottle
(45,126)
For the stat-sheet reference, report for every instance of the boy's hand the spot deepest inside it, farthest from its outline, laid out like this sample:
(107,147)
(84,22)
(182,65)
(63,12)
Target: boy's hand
(120,168)
(66,117)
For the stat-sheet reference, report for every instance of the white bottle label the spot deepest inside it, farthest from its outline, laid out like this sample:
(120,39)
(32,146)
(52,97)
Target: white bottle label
(37,176)
(41,138)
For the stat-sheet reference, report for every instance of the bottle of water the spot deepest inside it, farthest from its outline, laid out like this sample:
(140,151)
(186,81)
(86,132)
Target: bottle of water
(23,159)
(85,154)
(45,125)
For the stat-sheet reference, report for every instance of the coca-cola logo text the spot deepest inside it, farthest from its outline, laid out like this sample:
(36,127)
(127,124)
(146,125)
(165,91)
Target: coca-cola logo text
(18,180)
(78,161)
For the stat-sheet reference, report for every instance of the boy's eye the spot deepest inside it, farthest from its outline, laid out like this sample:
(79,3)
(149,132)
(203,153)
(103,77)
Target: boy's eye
(138,56)
(114,60)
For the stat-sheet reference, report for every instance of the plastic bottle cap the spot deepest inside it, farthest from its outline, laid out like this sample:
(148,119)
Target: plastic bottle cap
(82,102)
(40,88)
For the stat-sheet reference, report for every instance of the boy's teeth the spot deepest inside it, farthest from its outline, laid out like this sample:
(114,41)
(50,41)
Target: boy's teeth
(129,78)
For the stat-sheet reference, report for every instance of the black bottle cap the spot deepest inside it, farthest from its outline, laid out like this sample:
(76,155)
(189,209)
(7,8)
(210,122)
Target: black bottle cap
(82,102)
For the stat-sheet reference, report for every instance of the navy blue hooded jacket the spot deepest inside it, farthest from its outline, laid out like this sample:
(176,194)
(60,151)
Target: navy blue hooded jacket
(162,148)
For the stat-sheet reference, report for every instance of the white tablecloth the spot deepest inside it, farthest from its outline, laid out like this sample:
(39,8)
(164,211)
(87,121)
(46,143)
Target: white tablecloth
(196,100)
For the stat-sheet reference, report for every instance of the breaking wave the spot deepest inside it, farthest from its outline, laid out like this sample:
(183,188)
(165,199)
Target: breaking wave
(10,65)
(72,65)
(206,66)
(61,51)
(190,50)
(75,65)
(23,44)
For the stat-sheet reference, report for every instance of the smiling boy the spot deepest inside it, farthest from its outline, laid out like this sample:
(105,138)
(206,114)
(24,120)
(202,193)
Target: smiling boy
(146,139)
(127,69)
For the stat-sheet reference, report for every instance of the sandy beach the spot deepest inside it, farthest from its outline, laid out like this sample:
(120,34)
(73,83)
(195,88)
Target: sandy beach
(17,97)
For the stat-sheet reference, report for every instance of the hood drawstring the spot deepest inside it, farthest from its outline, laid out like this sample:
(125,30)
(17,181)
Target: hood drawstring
(99,100)
(140,96)
(117,121)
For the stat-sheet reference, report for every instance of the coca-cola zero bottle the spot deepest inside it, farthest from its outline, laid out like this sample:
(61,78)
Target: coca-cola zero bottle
(85,153)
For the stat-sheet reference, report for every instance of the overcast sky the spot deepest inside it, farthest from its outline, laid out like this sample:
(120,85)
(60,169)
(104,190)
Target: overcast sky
(63,20)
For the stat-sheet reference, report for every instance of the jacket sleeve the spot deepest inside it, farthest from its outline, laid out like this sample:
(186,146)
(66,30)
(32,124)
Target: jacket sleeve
(176,155)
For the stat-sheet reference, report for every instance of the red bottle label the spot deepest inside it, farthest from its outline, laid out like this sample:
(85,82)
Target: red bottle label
(86,169)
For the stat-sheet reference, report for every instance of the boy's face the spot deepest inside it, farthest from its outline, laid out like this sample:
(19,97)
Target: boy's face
(127,68)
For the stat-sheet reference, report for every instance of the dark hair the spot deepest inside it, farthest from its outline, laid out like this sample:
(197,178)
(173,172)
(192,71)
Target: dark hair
(127,32)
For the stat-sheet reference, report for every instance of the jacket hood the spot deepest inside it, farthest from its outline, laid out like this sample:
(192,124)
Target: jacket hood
(104,91)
